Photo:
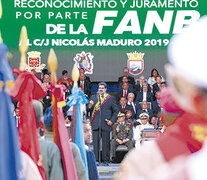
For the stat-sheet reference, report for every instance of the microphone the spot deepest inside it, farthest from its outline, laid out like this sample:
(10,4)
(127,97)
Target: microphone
(99,95)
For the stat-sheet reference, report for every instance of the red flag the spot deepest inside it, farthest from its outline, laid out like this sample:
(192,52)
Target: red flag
(63,139)
(26,88)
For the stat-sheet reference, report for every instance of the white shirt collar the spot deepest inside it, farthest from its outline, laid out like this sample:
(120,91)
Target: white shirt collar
(86,147)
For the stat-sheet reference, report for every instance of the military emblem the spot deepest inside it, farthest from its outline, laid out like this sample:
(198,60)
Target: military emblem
(127,128)
(135,63)
(117,129)
(34,61)
(85,61)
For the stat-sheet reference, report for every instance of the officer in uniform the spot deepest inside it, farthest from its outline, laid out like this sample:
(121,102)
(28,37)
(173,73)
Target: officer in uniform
(122,134)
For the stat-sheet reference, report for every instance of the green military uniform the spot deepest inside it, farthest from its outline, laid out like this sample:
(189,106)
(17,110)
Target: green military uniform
(51,159)
(122,131)
(81,172)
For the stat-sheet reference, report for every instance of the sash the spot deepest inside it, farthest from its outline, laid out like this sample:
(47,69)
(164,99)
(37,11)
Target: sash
(97,105)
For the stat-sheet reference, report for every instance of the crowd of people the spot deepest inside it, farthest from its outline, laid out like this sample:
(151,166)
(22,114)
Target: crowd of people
(179,154)
(137,101)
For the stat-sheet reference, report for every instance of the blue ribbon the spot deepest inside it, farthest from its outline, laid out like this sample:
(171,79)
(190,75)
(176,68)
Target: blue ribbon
(77,98)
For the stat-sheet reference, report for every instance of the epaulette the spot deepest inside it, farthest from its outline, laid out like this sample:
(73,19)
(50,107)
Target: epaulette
(116,123)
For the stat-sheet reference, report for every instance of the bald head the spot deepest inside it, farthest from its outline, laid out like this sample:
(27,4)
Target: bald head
(38,110)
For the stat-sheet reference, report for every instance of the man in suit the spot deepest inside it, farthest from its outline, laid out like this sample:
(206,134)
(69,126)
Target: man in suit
(126,74)
(123,106)
(126,80)
(131,102)
(47,99)
(144,95)
(104,111)
(122,134)
(91,160)
(144,109)
(123,92)
(82,71)
(139,86)
(157,85)
(156,104)
(84,85)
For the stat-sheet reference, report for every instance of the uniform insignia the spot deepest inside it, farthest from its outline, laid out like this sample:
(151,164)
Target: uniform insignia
(34,61)
(127,128)
(135,63)
(117,129)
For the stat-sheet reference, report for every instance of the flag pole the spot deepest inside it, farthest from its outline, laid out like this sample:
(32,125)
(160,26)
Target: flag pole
(52,63)
(26,88)
(23,47)
(75,77)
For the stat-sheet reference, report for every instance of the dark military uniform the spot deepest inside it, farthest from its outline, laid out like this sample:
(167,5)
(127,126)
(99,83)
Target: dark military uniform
(121,131)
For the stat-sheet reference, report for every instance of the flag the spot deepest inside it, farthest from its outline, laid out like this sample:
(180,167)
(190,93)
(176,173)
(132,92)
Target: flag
(11,167)
(63,139)
(26,88)
(77,98)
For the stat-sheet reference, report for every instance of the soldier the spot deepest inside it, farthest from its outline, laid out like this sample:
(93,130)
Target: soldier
(144,119)
(122,134)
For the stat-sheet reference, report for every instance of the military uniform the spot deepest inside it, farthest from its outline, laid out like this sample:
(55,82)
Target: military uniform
(121,131)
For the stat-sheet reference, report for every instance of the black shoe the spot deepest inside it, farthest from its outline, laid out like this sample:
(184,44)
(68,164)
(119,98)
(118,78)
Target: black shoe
(105,163)
(113,160)
(97,163)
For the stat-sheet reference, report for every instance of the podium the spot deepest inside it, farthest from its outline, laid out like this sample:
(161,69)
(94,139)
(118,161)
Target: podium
(149,134)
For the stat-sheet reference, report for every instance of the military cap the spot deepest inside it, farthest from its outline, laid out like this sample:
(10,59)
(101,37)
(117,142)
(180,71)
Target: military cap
(144,116)
(120,114)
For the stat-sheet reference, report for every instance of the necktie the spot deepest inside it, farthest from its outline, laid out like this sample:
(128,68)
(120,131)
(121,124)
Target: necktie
(125,94)
(123,108)
(132,104)
(82,85)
